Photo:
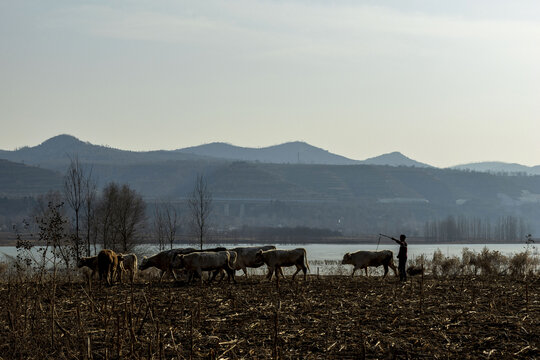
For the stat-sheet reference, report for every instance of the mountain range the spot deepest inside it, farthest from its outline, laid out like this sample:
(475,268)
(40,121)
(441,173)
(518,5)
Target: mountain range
(289,184)
(56,152)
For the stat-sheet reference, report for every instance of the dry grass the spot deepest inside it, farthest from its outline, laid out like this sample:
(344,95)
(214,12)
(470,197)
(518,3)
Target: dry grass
(327,317)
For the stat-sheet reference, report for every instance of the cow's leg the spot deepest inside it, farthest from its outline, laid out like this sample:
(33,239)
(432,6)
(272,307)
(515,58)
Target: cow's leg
(215,274)
(353,271)
(280,270)
(298,268)
(270,272)
(244,268)
(365,268)
(161,275)
(222,275)
(199,272)
(385,270)
(227,272)
(304,269)
(393,267)
(231,274)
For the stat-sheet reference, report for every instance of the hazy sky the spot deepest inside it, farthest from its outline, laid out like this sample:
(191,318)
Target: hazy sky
(444,82)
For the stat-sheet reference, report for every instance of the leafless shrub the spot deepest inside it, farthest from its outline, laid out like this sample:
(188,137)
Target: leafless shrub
(420,261)
(491,262)
(469,261)
(523,263)
(445,266)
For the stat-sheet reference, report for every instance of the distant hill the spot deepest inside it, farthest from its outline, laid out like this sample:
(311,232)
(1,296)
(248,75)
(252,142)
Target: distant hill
(22,180)
(500,167)
(394,159)
(288,153)
(55,153)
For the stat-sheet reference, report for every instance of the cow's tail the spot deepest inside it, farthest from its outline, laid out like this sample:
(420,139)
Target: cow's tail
(305,260)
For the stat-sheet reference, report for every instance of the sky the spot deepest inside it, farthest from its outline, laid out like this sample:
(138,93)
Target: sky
(443,82)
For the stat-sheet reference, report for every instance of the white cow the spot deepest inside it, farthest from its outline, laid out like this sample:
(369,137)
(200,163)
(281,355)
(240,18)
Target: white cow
(363,259)
(277,258)
(197,262)
(128,264)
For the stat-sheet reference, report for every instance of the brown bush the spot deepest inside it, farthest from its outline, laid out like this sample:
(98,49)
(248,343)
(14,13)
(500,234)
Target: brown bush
(523,263)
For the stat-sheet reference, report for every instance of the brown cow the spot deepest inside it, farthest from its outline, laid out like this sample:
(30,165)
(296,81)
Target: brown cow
(107,265)
(363,259)
(277,258)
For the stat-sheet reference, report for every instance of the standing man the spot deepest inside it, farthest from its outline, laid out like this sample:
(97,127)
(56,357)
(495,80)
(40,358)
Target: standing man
(402,256)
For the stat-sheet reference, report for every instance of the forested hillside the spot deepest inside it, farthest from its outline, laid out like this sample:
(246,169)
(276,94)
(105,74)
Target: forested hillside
(346,198)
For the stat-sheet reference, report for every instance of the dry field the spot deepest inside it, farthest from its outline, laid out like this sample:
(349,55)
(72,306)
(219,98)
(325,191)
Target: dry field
(331,317)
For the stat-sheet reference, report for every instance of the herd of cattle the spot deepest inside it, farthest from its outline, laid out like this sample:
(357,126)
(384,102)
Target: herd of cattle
(220,261)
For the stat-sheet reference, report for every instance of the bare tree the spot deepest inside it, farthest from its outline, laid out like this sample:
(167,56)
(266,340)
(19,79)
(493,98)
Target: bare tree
(74,193)
(159,226)
(200,205)
(171,222)
(131,216)
(49,215)
(166,219)
(105,212)
(121,217)
(89,213)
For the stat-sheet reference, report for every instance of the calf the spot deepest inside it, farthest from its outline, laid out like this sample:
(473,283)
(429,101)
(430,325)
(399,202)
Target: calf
(107,265)
(128,264)
(197,262)
(275,259)
(363,259)
(247,257)
(90,262)
(415,270)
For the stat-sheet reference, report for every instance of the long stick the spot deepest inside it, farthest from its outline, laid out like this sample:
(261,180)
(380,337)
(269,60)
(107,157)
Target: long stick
(386,236)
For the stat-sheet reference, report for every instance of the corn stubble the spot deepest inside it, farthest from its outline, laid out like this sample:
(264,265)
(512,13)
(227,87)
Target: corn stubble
(326,317)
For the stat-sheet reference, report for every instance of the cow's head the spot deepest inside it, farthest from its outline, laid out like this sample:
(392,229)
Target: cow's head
(346,259)
(143,263)
(81,262)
